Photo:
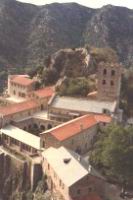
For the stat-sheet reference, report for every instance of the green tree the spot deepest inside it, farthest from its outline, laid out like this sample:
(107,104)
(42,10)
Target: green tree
(75,87)
(114,152)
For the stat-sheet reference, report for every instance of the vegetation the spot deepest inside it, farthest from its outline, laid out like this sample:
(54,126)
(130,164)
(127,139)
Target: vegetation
(75,87)
(127,93)
(113,153)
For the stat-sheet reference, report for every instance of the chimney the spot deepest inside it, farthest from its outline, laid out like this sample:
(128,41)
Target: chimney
(66,160)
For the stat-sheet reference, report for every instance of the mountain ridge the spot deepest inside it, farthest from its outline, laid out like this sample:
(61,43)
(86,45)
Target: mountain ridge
(30,33)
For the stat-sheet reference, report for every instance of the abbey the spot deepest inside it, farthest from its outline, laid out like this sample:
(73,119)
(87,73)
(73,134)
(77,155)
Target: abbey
(37,123)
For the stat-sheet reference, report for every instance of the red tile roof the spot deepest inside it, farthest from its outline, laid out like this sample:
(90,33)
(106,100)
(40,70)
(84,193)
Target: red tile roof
(45,92)
(73,127)
(103,118)
(22,80)
(16,108)
(89,197)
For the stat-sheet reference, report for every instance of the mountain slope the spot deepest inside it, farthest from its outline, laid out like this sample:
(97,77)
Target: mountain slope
(29,33)
(14,29)
(55,27)
(112,26)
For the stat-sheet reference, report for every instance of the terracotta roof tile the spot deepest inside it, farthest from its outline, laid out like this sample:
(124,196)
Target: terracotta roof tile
(45,92)
(103,118)
(73,127)
(21,80)
(16,108)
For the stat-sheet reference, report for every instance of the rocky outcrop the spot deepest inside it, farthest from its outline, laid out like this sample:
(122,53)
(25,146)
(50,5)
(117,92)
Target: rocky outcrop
(12,176)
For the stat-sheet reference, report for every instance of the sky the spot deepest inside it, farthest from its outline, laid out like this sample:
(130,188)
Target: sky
(89,3)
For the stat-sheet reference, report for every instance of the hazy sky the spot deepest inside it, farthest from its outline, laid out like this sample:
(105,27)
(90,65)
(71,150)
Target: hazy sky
(89,3)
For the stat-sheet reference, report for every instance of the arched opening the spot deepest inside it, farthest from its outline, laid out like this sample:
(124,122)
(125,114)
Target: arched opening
(35,126)
(42,128)
(49,126)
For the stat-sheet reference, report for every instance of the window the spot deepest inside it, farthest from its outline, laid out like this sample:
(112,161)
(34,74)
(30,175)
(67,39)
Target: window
(14,92)
(60,182)
(112,72)
(89,189)
(43,144)
(78,191)
(103,82)
(104,71)
(62,185)
(42,107)
(111,83)
(48,167)
(104,111)
(25,128)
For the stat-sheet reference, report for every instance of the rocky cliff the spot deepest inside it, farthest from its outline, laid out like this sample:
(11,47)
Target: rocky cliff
(15,180)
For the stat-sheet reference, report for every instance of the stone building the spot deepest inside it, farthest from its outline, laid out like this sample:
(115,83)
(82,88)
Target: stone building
(42,95)
(109,81)
(20,140)
(71,176)
(19,86)
(67,108)
(17,111)
(78,134)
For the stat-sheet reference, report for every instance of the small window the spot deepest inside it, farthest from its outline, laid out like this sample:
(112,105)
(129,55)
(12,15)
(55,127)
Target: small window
(112,72)
(89,189)
(111,83)
(78,191)
(62,185)
(43,144)
(104,111)
(104,71)
(103,82)
(72,141)
(48,167)
(60,182)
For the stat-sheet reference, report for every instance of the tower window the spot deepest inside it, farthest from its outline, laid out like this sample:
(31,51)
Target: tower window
(112,72)
(104,71)
(103,82)
(111,83)
(78,191)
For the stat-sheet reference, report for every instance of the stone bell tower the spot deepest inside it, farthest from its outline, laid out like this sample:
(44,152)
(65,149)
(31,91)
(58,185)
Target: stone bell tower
(109,81)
